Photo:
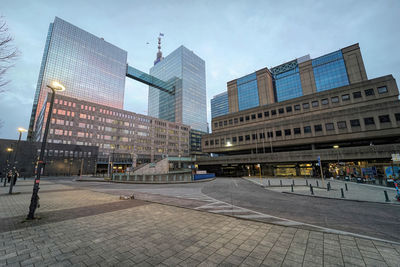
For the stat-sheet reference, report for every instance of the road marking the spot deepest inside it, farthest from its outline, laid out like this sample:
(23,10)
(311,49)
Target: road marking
(235,183)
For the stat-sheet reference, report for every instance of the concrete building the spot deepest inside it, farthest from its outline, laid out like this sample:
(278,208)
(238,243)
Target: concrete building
(297,78)
(123,137)
(60,159)
(219,105)
(188,105)
(354,125)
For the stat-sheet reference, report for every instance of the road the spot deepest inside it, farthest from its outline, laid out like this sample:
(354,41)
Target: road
(370,219)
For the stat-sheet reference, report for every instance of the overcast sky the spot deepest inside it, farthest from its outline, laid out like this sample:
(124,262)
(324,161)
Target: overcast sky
(234,38)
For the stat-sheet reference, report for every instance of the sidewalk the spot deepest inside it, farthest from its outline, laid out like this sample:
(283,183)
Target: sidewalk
(360,192)
(81,227)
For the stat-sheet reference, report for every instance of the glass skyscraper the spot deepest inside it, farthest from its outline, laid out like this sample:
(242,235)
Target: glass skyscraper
(219,105)
(188,105)
(90,68)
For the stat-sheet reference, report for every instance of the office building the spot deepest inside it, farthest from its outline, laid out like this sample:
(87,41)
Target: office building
(124,137)
(91,68)
(343,119)
(219,105)
(188,103)
(299,77)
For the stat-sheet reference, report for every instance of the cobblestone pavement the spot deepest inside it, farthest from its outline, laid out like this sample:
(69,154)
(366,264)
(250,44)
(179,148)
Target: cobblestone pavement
(134,232)
(363,192)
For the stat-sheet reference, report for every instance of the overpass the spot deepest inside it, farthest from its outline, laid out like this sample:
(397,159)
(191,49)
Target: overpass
(140,76)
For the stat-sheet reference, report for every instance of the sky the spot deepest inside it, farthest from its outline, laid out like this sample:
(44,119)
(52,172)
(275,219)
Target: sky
(234,38)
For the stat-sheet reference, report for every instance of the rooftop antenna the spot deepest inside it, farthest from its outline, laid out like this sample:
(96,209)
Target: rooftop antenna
(159,53)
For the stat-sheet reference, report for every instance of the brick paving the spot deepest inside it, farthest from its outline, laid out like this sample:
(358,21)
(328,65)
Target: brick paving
(102,230)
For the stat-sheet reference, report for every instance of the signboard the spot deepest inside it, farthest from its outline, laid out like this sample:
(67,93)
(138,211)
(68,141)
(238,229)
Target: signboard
(392,171)
(396,157)
(319,160)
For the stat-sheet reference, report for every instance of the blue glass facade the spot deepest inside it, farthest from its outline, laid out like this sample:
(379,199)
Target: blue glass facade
(330,71)
(189,104)
(288,85)
(219,105)
(90,68)
(247,92)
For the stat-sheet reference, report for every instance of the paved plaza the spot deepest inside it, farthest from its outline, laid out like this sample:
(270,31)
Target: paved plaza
(87,228)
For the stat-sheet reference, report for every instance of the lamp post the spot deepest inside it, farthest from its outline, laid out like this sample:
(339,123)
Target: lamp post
(14,176)
(9,150)
(55,87)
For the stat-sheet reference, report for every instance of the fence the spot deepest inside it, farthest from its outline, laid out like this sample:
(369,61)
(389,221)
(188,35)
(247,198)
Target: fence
(153,178)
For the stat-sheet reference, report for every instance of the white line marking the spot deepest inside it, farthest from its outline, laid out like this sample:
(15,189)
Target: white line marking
(227,211)
(254,216)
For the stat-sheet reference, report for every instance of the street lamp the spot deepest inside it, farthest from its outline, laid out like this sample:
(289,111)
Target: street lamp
(20,130)
(9,150)
(55,87)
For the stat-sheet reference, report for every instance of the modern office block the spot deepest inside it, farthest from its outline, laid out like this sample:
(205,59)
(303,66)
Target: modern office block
(297,78)
(115,131)
(89,67)
(188,104)
(219,105)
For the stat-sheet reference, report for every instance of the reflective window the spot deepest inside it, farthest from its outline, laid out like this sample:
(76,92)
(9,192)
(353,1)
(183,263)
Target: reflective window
(297,131)
(259,115)
(369,121)
(288,85)
(296,107)
(247,91)
(278,133)
(384,118)
(315,104)
(273,112)
(341,124)
(281,111)
(345,97)
(329,126)
(289,109)
(397,116)
(355,123)
(369,92)
(219,105)
(382,90)
(306,105)
(325,101)
(330,71)
(266,114)
(307,129)
(288,132)
(357,94)
(318,127)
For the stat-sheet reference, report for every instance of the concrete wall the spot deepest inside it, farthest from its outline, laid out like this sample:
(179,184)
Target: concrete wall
(307,78)
(159,167)
(233,97)
(354,64)
(265,87)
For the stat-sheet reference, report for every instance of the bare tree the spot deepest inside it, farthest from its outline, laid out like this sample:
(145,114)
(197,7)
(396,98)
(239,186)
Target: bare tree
(8,52)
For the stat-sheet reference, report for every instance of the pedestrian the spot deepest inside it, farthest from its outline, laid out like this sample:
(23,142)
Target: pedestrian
(9,175)
(16,175)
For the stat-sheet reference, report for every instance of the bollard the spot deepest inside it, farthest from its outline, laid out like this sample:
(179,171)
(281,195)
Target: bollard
(317,184)
(386,196)
(306,182)
(341,189)
(311,190)
(328,186)
(281,183)
(345,185)
(269,183)
(291,187)
(293,181)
